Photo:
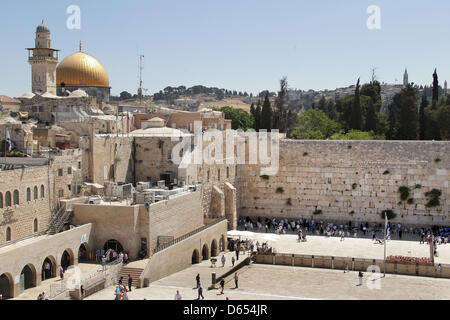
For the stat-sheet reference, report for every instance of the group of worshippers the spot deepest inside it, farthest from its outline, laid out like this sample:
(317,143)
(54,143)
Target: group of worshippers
(42,296)
(121,291)
(355,229)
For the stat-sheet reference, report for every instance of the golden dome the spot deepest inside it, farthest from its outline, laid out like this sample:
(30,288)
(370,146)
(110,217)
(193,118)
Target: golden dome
(81,70)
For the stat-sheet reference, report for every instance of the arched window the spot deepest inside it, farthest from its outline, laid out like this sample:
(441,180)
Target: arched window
(28,194)
(1,200)
(8,234)
(35,225)
(16,197)
(42,191)
(35,193)
(8,199)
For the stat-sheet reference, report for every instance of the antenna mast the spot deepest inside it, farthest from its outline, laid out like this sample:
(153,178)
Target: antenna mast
(141,68)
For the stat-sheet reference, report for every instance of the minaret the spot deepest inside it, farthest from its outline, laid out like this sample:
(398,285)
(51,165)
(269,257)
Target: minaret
(405,78)
(43,60)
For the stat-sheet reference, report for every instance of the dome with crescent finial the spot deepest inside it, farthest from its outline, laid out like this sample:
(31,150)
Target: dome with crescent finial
(43,28)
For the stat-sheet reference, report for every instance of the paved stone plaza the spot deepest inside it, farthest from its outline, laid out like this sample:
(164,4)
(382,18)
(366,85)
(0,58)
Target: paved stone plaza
(267,282)
(354,247)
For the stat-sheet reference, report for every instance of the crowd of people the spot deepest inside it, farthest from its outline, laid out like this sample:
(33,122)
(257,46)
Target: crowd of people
(249,246)
(121,291)
(350,229)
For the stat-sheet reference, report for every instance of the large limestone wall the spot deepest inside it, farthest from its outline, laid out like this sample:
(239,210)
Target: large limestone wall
(175,217)
(350,180)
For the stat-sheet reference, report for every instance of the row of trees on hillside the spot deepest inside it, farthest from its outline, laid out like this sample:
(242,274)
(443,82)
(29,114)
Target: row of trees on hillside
(356,117)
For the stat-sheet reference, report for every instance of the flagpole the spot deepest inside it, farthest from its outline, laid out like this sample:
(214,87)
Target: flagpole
(385,231)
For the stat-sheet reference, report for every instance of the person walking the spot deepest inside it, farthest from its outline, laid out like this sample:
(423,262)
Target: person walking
(130,282)
(236,280)
(233,261)
(360,277)
(346,267)
(178,296)
(237,252)
(223,260)
(222,285)
(103,263)
(61,272)
(200,292)
(197,278)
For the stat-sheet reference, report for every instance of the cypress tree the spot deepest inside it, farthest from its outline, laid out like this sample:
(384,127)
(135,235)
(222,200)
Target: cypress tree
(371,118)
(435,89)
(422,120)
(258,116)
(408,116)
(356,116)
(266,114)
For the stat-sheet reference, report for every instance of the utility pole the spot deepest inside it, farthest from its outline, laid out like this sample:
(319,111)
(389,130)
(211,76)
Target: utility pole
(141,68)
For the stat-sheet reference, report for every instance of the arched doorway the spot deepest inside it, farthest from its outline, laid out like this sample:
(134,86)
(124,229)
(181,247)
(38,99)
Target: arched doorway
(222,244)
(27,277)
(205,252)
(195,257)
(67,259)
(214,248)
(83,253)
(48,268)
(114,245)
(6,286)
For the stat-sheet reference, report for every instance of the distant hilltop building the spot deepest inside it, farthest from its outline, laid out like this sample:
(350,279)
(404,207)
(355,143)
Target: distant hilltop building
(79,71)
(405,78)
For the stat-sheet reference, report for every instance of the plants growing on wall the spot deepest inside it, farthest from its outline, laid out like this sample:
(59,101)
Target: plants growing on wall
(389,213)
(280,190)
(317,212)
(386,172)
(404,192)
(354,186)
(434,196)
(305,154)
(289,202)
(264,177)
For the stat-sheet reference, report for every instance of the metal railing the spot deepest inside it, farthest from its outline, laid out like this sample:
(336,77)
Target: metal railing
(187,235)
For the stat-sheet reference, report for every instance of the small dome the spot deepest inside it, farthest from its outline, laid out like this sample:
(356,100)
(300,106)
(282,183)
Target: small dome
(78,94)
(42,28)
(28,95)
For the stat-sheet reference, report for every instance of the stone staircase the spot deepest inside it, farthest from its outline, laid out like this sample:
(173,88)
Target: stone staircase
(59,220)
(133,271)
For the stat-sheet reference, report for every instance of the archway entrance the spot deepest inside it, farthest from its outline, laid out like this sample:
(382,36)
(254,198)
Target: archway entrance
(214,248)
(222,244)
(83,253)
(114,245)
(27,278)
(48,268)
(205,252)
(66,259)
(195,257)
(6,286)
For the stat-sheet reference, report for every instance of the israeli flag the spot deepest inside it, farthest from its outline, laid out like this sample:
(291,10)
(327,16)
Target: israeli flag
(8,139)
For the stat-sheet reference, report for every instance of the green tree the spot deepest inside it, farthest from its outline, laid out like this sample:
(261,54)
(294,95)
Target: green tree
(422,120)
(356,115)
(240,119)
(404,115)
(371,119)
(435,89)
(266,114)
(444,122)
(258,116)
(314,124)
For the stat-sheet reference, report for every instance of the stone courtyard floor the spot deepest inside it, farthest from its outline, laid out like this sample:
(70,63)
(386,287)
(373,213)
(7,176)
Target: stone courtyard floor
(268,282)
(354,247)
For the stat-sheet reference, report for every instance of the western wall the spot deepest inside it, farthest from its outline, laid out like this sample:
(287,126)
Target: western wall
(350,180)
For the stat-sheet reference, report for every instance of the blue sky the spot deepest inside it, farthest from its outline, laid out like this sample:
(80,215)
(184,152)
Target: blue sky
(245,45)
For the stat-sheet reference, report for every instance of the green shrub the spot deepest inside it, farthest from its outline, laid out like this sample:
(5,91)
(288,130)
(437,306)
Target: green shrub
(264,177)
(435,195)
(404,193)
(410,201)
(289,202)
(305,154)
(354,186)
(316,212)
(389,213)
(280,190)
(386,172)
(418,186)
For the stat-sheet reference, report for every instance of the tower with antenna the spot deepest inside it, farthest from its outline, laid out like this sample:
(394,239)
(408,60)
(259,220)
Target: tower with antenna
(141,68)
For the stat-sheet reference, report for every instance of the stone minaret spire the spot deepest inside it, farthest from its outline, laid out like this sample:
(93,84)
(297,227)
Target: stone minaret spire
(405,78)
